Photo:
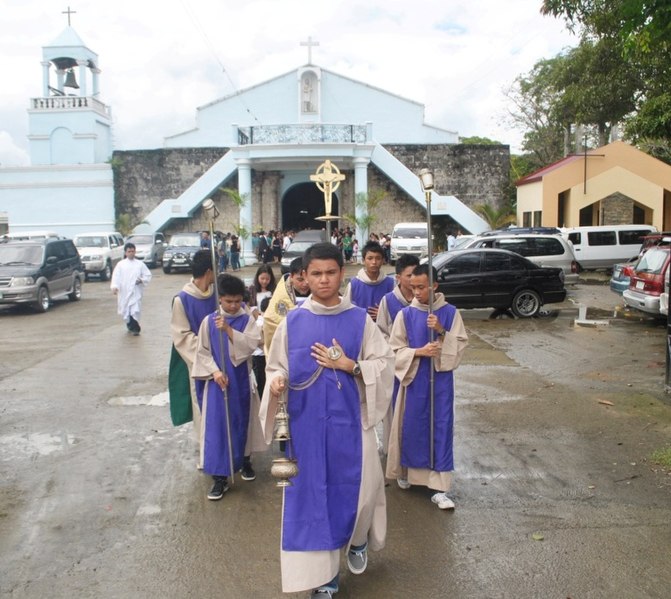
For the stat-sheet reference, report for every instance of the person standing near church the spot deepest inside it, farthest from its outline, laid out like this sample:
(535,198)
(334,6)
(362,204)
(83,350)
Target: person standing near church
(409,458)
(336,367)
(369,286)
(129,278)
(390,305)
(189,308)
(225,368)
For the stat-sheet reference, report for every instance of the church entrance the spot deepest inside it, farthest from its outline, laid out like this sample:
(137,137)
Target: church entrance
(301,204)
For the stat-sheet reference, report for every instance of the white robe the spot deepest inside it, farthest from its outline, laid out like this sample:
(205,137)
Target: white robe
(304,570)
(129,278)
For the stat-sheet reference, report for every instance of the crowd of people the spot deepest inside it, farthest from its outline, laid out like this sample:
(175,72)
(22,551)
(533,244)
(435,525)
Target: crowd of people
(342,358)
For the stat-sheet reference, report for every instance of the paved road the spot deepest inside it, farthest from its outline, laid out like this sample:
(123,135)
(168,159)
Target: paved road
(100,497)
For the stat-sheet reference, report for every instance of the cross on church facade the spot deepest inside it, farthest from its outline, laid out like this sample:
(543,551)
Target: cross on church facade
(310,44)
(68,12)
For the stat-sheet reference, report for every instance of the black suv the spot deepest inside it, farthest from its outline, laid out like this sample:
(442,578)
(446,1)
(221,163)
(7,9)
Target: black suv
(180,251)
(35,272)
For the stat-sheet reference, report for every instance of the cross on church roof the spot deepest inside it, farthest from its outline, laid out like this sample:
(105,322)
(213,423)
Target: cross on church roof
(68,12)
(310,45)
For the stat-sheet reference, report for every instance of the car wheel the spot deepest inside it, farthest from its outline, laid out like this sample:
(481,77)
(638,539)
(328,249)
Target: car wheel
(154,261)
(43,301)
(166,270)
(86,278)
(106,274)
(76,294)
(526,303)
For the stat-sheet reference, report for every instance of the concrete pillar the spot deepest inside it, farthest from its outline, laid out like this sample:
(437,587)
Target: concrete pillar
(83,83)
(45,79)
(60,79)
(245,191)
(360,186)
(96,82)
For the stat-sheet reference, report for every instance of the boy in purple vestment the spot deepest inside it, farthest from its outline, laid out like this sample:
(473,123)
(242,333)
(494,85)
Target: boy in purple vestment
(410,460)
(369,286)
(336,368)
(226,341)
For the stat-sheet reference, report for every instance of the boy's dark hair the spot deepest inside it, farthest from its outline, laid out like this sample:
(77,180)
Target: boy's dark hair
(405,260)
(230,285)
(423,269)
(129,246)
(372,246)
(322,251)
(264,304)
(296,266)
(201,263)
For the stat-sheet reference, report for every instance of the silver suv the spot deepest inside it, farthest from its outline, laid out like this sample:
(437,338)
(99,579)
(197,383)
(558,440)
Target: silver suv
(541,249)
(149,247)
(100,252)
(36,272)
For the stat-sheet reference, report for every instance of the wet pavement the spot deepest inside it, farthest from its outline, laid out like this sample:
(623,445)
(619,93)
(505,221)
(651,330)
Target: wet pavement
(555,493)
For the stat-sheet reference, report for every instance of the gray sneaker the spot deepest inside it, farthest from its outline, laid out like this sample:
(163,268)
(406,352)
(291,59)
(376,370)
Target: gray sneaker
(357,559)
(321,593)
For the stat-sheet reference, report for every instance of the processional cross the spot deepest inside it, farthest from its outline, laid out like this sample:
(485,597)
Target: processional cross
(327,177)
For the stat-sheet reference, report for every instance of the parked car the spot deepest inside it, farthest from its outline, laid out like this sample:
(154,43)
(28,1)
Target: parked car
(37,272)
(622,272)
(664,298)
(100,252)
(647,281)
(301,242)
(500,279)
(544,249)
(409,238)
(180,251)
(149,247)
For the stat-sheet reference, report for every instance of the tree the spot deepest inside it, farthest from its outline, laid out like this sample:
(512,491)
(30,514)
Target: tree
(642,29)
(125,224)
(479,141)
(496,218)
(241,229)
(367,204)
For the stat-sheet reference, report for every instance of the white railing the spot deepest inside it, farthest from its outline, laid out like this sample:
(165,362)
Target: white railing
(69,103)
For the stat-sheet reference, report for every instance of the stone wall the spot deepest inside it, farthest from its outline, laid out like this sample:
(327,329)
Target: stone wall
(476,174)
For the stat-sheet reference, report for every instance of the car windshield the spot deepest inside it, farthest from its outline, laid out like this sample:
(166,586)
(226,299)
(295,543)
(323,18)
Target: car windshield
(185,240)
(20,254)
(300,246)
(141,239)
(418,233)
(91,241)
(652,261)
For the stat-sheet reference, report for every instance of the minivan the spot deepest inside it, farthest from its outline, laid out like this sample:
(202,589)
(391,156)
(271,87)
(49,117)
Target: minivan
(603,246)
(409,238)
(541,249)
(36,272)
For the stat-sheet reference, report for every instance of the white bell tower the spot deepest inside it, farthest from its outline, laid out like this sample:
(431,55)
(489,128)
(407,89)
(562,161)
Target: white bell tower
(69,124)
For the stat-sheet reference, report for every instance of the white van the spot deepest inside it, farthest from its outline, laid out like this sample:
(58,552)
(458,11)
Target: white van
(409,238)
(603,246)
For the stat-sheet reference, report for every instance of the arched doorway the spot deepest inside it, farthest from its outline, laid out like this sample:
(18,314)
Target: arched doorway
(301,204)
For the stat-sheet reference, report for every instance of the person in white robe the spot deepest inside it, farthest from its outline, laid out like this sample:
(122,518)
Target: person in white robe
(129,279)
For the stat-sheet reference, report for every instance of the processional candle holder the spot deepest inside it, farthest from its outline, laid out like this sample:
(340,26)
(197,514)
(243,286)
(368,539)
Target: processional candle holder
(285,467)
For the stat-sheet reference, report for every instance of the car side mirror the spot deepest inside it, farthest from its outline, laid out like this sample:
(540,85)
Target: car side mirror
(52,260)
(443,274)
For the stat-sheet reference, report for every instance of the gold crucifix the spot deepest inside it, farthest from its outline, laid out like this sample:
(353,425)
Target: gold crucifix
(327,177)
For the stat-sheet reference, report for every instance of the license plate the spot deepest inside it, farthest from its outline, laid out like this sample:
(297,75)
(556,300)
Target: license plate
(640,284)
(179,260)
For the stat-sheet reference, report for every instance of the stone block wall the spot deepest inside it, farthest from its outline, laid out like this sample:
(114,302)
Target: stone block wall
(476,174)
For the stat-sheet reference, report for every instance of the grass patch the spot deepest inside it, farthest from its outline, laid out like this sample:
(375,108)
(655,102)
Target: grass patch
(662,457)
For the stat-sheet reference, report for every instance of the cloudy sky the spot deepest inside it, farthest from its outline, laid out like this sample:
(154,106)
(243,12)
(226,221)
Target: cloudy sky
(161,61)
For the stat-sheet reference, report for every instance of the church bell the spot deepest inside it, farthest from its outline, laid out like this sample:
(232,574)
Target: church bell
(70,80)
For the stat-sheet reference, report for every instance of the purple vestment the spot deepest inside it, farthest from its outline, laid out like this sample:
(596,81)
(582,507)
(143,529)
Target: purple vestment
(196,310)
(394,306)
(215,441)
(366,295)
(415,432)
(325,422)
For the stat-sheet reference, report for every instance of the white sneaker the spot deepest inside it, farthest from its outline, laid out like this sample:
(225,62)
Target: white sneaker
(403,483)
(443,501)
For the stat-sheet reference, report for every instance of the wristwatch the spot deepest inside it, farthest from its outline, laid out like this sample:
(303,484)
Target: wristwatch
(356,371)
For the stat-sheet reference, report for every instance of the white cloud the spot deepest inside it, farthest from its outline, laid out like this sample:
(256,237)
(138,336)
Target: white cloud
(159,64)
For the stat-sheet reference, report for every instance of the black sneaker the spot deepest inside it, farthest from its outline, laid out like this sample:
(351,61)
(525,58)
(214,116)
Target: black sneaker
(247,472)
(219,487)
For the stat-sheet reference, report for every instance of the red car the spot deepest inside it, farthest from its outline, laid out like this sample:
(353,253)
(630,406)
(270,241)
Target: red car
(647,281)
